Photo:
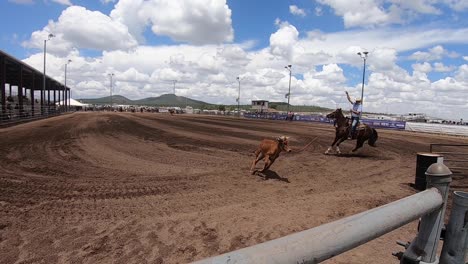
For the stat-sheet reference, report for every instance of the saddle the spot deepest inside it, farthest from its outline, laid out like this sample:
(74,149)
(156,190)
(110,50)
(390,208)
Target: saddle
(359,127)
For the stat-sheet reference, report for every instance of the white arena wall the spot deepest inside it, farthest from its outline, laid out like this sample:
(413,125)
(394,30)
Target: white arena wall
(456,130)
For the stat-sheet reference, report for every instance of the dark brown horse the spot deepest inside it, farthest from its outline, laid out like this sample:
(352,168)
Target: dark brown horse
(343,126)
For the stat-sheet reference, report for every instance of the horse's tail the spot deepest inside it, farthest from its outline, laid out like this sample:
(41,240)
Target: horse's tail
(373,138)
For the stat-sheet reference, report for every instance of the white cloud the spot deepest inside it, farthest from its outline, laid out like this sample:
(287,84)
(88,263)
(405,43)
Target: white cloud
(435,53)
(457,5)
(440,67)
(80,28)
(383,59)
(418,6)
(422,67)
(107,1)
(320,70)
(332,73)
(293,9)
(132,75)
(401,40)
(128,12)
(462,74)
(196,22)
(369,13)
(63,2)
(278,22)
(283,40)
(450,85)
(318,11)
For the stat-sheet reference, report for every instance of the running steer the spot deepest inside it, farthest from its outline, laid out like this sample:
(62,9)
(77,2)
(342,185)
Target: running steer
(270,150)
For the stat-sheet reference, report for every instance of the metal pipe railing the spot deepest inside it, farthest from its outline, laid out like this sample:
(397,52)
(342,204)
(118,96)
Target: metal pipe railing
(455,247)
(424,246)
(17,115)
(328,240)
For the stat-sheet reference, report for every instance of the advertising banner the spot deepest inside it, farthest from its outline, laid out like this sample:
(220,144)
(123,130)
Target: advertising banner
(376,123)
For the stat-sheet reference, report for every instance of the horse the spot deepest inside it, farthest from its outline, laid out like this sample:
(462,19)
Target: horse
(343,126)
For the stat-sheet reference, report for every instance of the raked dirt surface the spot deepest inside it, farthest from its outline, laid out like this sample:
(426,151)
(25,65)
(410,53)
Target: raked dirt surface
(101,187)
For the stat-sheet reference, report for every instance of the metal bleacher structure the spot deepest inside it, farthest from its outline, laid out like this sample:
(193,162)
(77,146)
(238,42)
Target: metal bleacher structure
(23,95)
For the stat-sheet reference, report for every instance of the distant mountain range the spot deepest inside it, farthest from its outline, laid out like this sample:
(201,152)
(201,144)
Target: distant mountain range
(163,100)
(181,101)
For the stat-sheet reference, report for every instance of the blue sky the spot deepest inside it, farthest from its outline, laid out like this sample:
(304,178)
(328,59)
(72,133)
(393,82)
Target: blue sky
(418,59)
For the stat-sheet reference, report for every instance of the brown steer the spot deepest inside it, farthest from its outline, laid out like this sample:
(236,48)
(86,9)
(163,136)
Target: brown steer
(270,150)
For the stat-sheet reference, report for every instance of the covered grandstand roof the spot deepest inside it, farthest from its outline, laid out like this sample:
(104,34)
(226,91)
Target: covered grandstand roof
(17,73)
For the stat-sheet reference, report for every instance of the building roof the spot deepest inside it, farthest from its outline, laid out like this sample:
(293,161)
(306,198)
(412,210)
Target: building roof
(74,102)
(18,73)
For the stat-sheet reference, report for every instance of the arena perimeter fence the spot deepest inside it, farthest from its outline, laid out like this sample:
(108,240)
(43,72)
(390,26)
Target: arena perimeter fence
(328,240)
(456,130)
(377,123)
(16,116)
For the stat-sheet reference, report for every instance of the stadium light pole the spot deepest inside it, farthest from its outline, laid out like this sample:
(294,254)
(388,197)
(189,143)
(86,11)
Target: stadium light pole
(44,77)
(110,75)
(238,98)
(65,88)
(363,56)
(289,91)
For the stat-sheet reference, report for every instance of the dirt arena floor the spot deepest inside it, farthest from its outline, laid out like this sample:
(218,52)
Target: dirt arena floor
(153,188)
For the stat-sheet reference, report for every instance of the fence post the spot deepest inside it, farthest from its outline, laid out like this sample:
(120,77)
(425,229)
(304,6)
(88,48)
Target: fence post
(424,246)
(423,161)
(455,246)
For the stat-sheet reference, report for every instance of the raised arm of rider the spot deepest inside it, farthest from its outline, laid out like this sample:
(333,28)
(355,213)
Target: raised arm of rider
(349,98)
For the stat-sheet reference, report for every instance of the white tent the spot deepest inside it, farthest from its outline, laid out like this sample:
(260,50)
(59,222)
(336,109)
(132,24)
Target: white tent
(74,102)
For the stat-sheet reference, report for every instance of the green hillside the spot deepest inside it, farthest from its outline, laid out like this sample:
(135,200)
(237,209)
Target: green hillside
(163,100)
(170,100)
(181,101)
(116,99)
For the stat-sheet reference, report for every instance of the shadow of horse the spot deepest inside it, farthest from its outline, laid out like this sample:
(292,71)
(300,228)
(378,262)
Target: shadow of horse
(342,129)
(354,155)
(268,174)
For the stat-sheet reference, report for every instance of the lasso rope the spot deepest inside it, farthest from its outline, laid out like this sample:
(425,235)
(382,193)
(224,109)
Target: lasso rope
(302,149)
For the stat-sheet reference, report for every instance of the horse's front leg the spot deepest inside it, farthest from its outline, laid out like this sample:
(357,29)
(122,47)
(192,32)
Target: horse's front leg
(339,142)
(330,148)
